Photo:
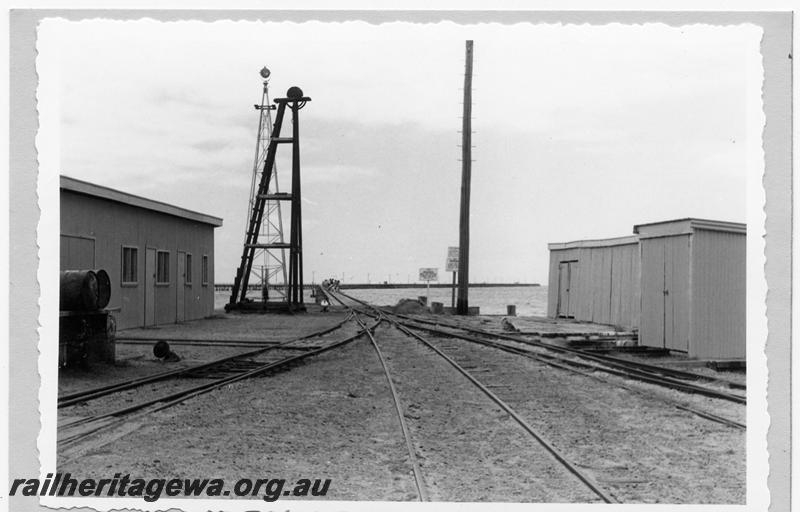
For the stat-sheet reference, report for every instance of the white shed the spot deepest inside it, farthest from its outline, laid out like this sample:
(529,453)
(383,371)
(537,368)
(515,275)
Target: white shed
(693,275)
(680,282)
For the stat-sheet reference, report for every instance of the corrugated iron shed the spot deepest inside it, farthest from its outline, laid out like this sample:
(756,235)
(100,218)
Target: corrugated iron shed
(160,257)
(595,281)
(693,287)
(680,282)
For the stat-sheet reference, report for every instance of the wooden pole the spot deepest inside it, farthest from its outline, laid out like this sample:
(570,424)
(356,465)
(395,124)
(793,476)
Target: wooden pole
(453,294)
(462,307)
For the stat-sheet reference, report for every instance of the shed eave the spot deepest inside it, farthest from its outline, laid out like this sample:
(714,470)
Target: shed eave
(90,189)
(607,242)
(687,225)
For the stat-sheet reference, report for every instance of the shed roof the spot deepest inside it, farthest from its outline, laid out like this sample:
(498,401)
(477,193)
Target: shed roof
(687,225)
(606,242)
(90,189)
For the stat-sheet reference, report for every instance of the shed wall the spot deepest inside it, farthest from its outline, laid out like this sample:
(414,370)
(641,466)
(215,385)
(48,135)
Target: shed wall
(718,294)
(605,284)
(113,225)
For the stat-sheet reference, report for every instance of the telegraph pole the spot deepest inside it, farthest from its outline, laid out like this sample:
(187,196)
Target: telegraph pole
(462,306)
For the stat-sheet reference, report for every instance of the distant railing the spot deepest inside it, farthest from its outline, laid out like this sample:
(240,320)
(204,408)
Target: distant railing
(221,287)
(224,287)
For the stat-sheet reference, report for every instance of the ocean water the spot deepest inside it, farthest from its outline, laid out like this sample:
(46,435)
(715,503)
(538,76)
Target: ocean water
(530,300)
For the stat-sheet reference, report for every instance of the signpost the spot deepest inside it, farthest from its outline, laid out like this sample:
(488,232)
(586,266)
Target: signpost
(428,275)
(452,266)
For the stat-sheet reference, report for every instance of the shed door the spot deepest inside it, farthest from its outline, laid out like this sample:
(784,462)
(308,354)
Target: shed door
(651,330)
(677,298)
(566,309)
(665,293)
(180,305)
(573,279)
(150,287)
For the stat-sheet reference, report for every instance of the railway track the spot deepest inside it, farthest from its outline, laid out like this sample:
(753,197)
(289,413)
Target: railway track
(588,364)
(618,479)
(636,368)
(667,377)
(79,397)
(586,480)
(419,482)
(212,375)
(196,342)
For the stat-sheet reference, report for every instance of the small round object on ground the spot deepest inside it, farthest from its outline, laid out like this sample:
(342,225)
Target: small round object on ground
(161,349)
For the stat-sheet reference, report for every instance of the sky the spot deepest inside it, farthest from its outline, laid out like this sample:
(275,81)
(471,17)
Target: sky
(581,131)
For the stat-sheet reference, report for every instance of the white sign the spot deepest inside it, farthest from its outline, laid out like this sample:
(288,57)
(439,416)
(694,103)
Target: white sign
(452,260)
(429,274)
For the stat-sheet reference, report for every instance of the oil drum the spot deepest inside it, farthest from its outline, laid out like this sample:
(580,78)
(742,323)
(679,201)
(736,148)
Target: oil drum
(103,288)
(79,290)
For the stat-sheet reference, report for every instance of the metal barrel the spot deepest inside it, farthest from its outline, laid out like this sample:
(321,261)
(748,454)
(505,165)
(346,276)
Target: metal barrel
(103,288)
(78,290)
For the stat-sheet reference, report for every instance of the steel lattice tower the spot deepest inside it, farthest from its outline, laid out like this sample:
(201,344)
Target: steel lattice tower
(263,242)
(269,269)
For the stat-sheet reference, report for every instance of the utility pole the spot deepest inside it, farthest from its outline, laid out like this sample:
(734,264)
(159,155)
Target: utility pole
(462,306)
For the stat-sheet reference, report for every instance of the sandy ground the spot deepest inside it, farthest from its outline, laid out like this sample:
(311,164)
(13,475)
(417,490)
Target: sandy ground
(138,360)
(332,416)
(633,445)
(470,449)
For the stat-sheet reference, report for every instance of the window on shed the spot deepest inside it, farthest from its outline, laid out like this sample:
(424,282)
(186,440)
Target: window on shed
(188,269)
(205,270)
(162,268)
(130,271)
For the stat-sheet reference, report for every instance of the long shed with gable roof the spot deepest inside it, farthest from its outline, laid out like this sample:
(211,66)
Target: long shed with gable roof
(160,257)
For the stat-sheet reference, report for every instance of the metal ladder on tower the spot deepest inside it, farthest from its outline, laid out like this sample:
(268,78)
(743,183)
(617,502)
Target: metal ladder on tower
(264,198)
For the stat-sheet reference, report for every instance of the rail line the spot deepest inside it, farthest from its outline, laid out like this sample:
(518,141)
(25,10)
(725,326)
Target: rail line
(587,369)
(422,492)
(124,414)
(195,342)
(609,360)
(652,374)
(77,397)
(583,368)
(547,445)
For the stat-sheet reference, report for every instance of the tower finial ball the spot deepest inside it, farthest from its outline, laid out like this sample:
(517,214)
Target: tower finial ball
(294,93)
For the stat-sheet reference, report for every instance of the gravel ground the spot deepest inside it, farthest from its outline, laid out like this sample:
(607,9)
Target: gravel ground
(332,416)
(634,445)
(135,361)
(470,449)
